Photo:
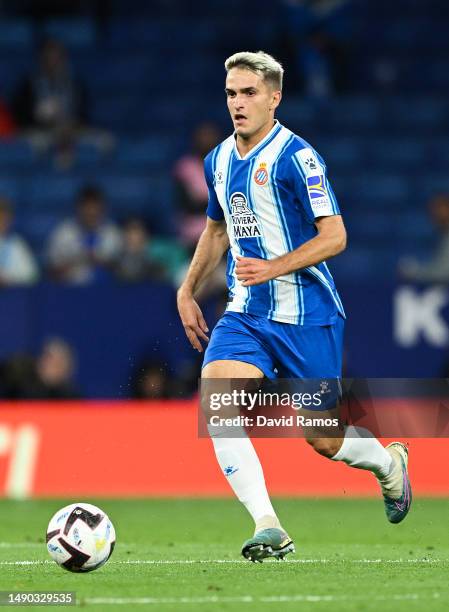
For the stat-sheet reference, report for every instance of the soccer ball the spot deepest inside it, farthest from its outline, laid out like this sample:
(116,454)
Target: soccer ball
(80,537)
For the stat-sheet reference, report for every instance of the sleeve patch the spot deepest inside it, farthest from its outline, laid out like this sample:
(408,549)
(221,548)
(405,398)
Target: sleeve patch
(309,162)
(318,195)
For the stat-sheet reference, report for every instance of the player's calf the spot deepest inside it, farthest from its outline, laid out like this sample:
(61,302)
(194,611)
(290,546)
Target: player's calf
(328,447)
(360,449)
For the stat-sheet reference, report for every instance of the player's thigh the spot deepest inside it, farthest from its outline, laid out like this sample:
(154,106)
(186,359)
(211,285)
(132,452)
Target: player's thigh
(224,377)
(231,368)
(237,350)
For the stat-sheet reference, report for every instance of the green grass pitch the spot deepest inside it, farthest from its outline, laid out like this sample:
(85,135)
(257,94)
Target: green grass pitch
(183,554)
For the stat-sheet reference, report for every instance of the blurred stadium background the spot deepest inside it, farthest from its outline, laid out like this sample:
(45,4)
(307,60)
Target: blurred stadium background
(107,106)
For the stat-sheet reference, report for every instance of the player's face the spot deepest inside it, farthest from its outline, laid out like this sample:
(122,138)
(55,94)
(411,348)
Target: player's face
(251,102)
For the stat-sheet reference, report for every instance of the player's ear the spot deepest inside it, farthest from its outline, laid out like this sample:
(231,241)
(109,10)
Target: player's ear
(276,99)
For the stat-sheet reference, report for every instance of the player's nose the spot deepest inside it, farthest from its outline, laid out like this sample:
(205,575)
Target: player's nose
(238,103)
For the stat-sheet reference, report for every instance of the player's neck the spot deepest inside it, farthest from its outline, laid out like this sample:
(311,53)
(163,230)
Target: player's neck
(244,145)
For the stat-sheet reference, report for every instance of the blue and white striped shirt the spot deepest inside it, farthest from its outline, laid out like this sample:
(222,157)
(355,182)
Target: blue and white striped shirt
(270,199)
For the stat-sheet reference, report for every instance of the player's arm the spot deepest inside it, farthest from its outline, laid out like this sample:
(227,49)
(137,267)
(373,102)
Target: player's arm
(307,176)
(330,241)
(211,246)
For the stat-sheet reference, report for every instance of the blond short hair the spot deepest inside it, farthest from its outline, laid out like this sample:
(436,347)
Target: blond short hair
(261,63)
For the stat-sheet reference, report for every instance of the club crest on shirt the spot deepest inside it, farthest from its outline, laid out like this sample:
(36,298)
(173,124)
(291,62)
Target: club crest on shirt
(244,221)
(261,174)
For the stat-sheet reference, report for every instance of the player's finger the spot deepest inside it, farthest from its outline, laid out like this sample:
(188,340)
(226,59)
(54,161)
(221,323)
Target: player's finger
(243,269)
(202,323)
(241,262)
(199,332)
(196,329)
(193,342)
(246,272)
(250,282)
(193,339)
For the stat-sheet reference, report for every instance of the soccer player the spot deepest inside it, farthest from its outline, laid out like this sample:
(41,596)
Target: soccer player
(272,209)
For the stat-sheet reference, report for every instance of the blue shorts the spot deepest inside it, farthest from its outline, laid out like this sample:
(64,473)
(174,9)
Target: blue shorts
(280,350)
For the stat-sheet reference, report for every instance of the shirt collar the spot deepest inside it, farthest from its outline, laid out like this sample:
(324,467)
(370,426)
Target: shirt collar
(259,145)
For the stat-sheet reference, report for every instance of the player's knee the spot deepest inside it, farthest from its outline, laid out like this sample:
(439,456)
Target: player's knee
(328,447)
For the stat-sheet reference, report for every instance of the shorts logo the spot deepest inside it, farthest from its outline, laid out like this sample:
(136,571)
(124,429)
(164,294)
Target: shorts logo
(244,221)
(316,187)
(324,387)
(261,174)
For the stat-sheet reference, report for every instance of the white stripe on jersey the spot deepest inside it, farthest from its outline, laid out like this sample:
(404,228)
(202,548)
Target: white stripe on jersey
(241,293)
(275,240)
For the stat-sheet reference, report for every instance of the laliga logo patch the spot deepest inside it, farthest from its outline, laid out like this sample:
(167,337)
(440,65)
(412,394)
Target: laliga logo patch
(319,198)
(261,174)
(315,187)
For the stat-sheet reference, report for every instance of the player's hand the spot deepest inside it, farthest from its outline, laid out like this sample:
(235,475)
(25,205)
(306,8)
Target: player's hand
(192,318)
(253,271)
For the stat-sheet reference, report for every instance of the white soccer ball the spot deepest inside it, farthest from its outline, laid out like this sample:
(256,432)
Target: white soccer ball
(80,537)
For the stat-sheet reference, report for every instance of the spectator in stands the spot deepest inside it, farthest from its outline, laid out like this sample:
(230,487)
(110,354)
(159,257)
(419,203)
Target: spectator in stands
(435,270)
(51,102)
(15,372)
(191,185)
(17,263)
(51,105)
(317,32)
(84,249)
(55,367)
(135,263)
(144,256)
(151,382)
(50,376)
